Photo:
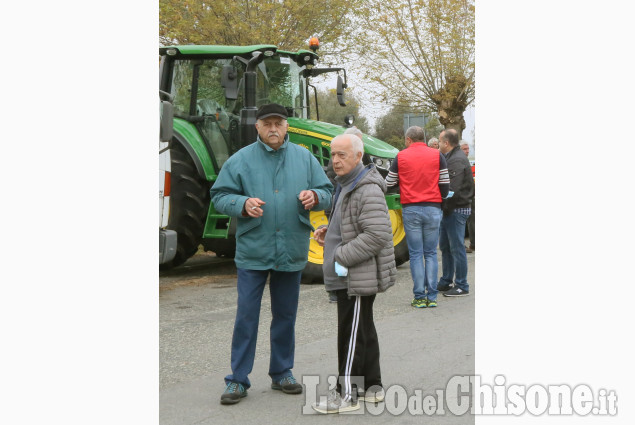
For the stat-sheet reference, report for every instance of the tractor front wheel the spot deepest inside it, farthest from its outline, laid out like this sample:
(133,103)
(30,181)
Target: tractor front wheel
(313,270)
(399,237)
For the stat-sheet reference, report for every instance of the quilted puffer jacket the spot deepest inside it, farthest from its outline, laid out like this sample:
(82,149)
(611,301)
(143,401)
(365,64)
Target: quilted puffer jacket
(367,245)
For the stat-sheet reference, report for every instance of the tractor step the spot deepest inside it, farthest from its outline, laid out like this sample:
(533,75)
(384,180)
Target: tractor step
(216,225)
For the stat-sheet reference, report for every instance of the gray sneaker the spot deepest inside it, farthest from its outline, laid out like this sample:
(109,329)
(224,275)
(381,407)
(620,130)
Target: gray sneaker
(287,385)
(334,404)
(233,393)
(374,394)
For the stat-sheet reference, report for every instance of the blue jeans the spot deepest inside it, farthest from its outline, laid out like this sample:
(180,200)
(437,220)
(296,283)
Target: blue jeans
(284,288)
(452,246)
(422,234)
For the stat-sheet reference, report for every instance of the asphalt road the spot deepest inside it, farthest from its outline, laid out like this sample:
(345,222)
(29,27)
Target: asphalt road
(420,348)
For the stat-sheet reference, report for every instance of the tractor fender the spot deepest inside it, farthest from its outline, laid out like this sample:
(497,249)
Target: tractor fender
(187,135)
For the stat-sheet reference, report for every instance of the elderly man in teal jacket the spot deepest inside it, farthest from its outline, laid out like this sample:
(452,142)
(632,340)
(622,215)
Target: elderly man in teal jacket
(269,187)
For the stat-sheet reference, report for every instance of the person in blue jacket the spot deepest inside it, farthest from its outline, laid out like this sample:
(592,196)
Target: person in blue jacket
(269,188)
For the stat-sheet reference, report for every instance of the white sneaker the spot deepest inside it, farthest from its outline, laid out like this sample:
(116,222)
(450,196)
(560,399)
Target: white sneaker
(334,404)
(372,395)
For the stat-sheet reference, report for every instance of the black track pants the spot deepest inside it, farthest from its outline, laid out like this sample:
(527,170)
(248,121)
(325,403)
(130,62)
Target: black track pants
(357,344)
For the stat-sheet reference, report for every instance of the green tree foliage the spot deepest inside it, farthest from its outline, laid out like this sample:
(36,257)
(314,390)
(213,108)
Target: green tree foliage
(389,127)
(331,111)
(420,51)
(287,24)
(433,128)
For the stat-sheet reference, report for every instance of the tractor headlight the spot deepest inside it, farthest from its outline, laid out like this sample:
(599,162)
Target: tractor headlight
(380,162)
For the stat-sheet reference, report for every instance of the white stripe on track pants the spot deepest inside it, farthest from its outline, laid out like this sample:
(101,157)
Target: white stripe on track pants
(357,344)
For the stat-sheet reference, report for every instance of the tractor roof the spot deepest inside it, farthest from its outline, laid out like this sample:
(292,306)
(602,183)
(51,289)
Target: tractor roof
(191,49)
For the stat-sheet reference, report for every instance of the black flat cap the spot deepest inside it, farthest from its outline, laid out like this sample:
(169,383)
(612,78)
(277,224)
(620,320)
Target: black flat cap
(270,110)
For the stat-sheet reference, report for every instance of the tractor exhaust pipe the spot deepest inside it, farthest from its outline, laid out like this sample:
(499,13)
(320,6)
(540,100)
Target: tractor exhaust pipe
(247,129)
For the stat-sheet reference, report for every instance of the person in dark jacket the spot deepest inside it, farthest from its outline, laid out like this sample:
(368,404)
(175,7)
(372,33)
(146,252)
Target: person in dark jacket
(456,211)
(359,262)
(470,221)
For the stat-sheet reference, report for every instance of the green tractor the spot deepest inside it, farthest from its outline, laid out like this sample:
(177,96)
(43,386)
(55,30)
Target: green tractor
(216,91)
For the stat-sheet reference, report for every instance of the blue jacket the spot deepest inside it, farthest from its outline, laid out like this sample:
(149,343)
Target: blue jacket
(278,240)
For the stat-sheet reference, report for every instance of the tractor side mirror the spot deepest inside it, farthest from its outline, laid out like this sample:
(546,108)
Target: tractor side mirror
(229,80)
(340,91)
(167,116)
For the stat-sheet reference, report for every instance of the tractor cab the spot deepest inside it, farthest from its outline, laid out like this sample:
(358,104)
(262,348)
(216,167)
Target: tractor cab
(215,88)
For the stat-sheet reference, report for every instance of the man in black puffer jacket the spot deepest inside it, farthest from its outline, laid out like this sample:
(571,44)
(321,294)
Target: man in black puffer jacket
(456,211)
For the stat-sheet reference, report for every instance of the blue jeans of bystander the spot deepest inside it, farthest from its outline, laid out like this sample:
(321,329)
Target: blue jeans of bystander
(422,233)
(284,288)
(451,244)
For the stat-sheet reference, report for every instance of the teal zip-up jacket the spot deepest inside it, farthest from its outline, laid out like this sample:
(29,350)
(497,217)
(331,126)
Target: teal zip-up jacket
(278,240)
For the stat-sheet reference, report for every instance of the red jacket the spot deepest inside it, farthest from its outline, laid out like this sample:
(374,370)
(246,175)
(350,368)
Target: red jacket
(419,174)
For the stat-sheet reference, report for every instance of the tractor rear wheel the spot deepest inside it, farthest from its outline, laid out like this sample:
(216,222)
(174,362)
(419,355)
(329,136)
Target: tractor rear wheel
(189,201)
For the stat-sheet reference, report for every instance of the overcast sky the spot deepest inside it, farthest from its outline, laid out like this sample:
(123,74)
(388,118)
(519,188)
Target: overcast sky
(373,110)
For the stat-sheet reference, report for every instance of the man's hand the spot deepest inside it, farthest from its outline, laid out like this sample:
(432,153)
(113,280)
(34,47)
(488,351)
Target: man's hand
(307,198)
(319,234)
(253,207)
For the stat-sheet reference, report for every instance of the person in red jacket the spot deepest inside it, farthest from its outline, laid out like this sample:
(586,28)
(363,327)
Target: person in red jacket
(422,175)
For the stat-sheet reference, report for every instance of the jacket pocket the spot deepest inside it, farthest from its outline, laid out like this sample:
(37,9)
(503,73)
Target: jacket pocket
(247,224)
(305,220)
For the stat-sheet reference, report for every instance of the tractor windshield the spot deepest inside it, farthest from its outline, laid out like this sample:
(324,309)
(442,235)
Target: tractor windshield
(198,90)
(279,80)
